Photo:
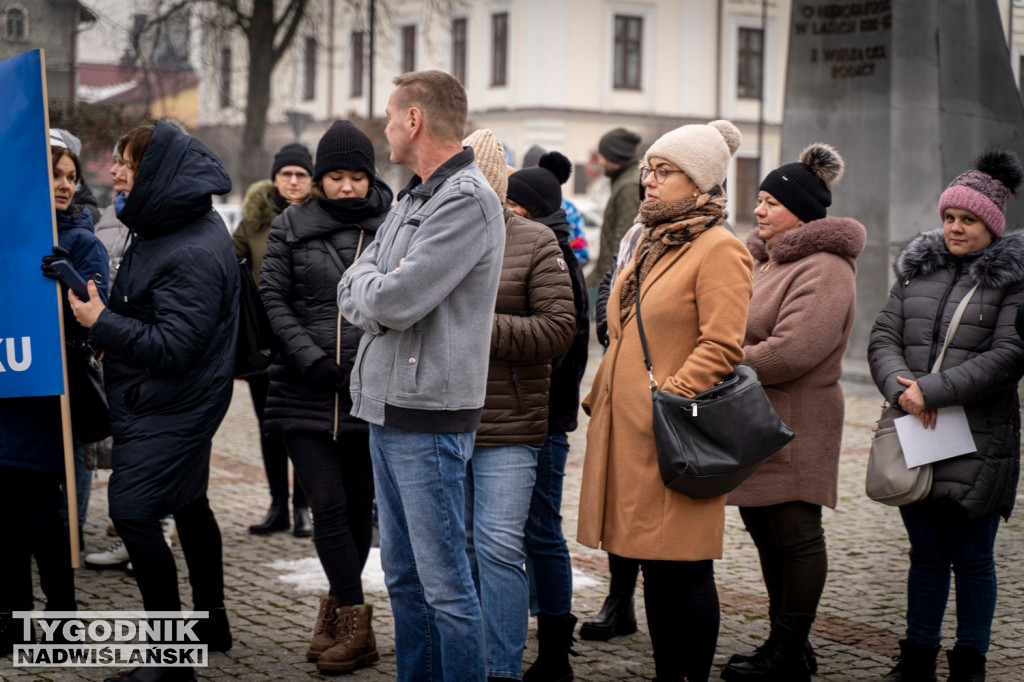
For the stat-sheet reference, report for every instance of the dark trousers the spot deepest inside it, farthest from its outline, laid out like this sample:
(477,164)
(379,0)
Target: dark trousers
(624,572)
(943,537)
(275,455)
(790,543)
(32,526)
(337,476)
(155,570)
(683,615)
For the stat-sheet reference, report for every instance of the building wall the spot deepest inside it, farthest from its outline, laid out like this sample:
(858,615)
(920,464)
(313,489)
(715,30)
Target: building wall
(49,25)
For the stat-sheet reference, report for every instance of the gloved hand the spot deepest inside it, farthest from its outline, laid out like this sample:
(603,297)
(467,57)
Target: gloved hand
(325,373)
(59,253)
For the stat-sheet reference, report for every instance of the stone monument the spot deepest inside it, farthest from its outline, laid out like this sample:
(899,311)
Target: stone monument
(909,92)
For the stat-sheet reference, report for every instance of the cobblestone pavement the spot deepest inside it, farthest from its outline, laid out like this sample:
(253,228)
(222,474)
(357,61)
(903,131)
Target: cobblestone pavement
(273,581)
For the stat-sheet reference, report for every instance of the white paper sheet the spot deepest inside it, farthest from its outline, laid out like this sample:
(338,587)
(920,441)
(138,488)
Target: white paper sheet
(950,437)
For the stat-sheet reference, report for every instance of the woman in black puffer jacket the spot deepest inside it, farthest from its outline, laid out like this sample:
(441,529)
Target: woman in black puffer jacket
(956,526)
(311,245)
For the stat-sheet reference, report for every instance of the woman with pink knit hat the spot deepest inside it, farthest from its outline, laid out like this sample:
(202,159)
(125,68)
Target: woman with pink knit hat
(954,528)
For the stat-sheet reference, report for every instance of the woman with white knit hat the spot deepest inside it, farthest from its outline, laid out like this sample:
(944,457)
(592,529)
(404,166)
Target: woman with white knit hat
(693,277)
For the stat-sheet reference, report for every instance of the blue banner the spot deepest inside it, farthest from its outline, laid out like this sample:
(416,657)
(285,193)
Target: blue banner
(30,343)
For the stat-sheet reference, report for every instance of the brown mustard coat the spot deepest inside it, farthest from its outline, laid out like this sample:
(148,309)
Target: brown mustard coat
(694,305)
(801,314)
(534,322)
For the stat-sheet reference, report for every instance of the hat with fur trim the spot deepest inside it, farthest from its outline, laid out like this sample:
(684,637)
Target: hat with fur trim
(700,151)
(805,186)
(489,155)
(983,191)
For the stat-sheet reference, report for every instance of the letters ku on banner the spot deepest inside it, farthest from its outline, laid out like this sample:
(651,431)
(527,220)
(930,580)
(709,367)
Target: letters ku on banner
(30,343)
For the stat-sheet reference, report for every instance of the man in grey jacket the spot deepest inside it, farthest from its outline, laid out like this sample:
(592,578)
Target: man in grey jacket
(424,294)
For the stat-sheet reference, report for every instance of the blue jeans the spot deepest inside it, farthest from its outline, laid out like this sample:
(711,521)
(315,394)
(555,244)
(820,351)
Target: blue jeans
(547,555)
(499,484)
(942,536)
(420,479)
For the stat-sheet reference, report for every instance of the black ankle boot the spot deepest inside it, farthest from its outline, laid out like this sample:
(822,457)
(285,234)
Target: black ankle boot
(775,661)
(275,520)
(12,632)
(966,664)
(303,524)
(809,656)
(554,644)
(617,617)
(916,663)
(214,631)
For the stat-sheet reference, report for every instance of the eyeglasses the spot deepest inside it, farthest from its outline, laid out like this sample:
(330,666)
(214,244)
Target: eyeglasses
(298,175)
(660,174)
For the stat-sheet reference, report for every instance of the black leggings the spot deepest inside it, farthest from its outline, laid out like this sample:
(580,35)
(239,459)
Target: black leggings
(683,616)
(794,562)
(155,570)
(275,455)
(30,505)
(337,476)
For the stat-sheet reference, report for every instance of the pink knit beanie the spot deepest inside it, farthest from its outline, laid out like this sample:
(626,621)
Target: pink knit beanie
(984,190)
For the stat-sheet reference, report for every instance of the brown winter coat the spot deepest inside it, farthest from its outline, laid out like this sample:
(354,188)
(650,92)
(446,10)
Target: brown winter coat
(805,295)
(694,305)
(534,322)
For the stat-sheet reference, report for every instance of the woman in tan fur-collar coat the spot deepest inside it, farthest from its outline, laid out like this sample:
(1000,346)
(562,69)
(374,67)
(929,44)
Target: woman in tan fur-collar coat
(694,281)
(797,331)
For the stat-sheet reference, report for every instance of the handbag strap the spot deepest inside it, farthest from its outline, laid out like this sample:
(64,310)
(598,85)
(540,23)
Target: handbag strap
(643,340)
(953,324)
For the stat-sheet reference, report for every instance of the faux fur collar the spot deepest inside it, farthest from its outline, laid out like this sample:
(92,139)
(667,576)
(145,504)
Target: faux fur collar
(994,267)
(841,236)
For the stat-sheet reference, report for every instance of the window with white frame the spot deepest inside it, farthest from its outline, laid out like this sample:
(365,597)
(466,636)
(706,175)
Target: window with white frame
(459,31)
(357,63)
(750,63)
(224,80)
(408,49)
(499,49)
(628,49)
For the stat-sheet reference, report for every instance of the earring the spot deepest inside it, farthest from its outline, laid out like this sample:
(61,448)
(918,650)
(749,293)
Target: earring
(696,194)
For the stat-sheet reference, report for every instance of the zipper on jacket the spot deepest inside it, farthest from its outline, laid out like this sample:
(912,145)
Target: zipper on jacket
(515,390)
(337,344)
(937,327)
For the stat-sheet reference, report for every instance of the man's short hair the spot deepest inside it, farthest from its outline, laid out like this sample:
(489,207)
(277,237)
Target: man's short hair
(440,97)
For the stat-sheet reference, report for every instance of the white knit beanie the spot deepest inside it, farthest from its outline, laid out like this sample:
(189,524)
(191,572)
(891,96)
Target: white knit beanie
(489,155)
(700,151)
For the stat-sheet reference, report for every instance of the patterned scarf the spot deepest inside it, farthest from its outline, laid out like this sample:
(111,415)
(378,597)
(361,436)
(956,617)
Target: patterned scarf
(666,226)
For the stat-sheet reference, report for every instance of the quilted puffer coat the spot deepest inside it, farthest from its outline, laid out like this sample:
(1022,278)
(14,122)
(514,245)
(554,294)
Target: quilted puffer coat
(534,322)
(982,366)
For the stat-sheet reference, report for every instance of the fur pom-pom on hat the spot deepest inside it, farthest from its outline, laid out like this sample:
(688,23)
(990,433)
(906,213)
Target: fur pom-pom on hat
(539,189)
(700,151)
(489,155)
(985,190)
(805,186)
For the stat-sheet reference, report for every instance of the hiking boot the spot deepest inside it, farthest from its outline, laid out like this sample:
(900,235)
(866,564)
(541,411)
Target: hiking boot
(325,631)
(356,646)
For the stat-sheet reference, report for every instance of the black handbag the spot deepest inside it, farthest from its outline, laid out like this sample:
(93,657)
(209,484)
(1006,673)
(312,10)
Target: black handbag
(256,339)
(709,444)
(90,415)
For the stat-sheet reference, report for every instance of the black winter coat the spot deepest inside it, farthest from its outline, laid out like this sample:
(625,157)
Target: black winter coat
(568,369)
(982,366)
(308,251)
(170,331)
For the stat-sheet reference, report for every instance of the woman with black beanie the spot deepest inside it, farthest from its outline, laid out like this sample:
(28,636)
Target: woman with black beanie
(536,193)
(311,246)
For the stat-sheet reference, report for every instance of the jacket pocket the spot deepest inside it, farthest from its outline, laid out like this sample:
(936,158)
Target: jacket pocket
(408,361)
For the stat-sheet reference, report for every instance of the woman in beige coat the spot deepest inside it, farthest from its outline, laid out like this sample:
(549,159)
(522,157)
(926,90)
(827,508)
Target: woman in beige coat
(694,281)
(799,324)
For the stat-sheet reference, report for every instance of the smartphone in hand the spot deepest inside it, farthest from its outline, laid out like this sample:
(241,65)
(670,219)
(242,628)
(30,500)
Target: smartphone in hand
(67,274)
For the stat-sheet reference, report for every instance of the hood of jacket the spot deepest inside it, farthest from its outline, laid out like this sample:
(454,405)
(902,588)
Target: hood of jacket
(842,236)
(75,218)
(317,221)
(259,206)
(558,223)
(999,264)
(176,178)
